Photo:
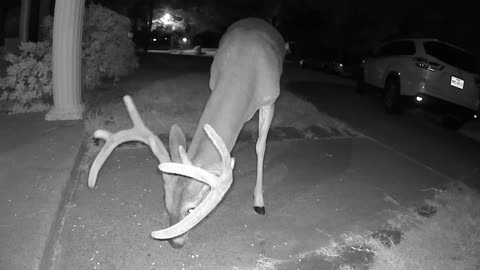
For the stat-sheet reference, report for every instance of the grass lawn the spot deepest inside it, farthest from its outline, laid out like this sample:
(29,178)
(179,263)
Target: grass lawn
(181,98)
(445,234)
(442,235)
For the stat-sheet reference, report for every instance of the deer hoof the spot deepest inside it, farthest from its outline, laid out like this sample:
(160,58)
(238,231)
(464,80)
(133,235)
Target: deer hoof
(260,210)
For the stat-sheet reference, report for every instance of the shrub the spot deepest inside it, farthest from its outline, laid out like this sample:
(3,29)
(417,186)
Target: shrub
(46,28)
(107,53)
(28,84)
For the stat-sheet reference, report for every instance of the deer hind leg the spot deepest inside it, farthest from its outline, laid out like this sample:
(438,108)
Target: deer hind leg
(265,119)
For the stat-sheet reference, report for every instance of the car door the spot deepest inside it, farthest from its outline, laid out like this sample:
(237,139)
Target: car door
(374,66)
(390,56)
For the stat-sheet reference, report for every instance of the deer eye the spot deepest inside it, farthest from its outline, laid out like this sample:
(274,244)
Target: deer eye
(189,208)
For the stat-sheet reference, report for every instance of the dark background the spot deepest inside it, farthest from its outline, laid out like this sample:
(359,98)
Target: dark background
(353,26)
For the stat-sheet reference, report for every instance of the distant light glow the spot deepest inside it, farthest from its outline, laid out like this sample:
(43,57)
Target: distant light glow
(419,99)
(475,116)
(154,39)
(167,19)
(184,40)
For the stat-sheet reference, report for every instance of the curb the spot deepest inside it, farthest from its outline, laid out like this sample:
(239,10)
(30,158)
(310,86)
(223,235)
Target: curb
(50,250)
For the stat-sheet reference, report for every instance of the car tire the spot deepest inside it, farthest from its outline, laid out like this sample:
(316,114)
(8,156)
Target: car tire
(391,98)
(361,87)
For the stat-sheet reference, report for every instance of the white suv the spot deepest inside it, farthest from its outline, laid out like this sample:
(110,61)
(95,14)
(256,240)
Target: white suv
(430,71)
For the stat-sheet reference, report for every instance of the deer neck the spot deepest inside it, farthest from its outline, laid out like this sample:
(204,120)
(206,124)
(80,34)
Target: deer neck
(226,114)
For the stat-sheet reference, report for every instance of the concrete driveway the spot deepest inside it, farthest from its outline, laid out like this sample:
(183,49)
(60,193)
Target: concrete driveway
(315,190)
(415,134)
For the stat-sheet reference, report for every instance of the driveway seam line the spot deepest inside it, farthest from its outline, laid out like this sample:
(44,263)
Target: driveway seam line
(411,159)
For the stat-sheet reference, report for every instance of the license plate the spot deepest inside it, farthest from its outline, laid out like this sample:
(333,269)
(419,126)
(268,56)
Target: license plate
(456,82)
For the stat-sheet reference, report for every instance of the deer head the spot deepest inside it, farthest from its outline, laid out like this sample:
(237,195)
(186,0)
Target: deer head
(193,192)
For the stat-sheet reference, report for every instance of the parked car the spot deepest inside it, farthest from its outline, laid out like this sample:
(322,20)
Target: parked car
(433,73)
(334,65)
(310,53)
(328,59)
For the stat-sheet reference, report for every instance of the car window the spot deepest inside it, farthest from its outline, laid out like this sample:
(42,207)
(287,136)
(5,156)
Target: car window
(405,47)
(451,55)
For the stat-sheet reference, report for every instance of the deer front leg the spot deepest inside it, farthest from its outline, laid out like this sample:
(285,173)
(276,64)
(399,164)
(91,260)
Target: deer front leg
(265,117)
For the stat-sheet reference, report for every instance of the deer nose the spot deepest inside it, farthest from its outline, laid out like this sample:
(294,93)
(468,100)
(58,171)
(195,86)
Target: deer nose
(178,242)
(175,244)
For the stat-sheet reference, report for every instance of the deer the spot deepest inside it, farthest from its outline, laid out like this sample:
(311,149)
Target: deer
(244,78)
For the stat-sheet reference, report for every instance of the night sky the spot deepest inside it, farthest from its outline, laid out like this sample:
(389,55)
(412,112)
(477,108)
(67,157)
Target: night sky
(349,24)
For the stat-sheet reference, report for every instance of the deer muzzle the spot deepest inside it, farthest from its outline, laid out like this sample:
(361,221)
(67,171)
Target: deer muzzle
(219,186)
(178,242)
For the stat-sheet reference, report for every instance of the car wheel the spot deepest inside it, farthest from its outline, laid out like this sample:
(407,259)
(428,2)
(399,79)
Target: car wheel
(392,98)
(360,89)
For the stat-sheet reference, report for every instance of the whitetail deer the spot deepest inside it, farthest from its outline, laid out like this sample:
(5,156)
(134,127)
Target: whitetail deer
(244,78)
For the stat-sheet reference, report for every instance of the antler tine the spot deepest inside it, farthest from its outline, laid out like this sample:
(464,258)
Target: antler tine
(139,132)
(227,161)
(219,186)
(132,112)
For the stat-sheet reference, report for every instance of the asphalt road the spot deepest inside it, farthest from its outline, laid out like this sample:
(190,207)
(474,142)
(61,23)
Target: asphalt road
(412,134)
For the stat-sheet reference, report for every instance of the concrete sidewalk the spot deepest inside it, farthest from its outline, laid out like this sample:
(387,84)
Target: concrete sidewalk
(36,161)
(315,190)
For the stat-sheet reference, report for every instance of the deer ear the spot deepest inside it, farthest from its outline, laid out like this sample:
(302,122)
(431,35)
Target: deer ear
(177,138)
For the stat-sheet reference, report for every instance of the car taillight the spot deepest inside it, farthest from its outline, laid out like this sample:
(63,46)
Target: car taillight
(428,65)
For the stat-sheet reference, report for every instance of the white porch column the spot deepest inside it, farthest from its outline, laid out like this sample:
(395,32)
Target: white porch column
(24,21)
(66,61)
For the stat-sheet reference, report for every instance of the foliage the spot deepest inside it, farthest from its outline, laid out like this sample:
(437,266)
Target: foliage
(159,107)
(46,28)
(107,50)
(170,21)
(28,84)
(185,22)
(450,239)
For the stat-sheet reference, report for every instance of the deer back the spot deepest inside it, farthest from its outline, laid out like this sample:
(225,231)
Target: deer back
(245,75)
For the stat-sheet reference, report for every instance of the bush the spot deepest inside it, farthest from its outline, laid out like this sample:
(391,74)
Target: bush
(28,84)
(107,53)
(46,29)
